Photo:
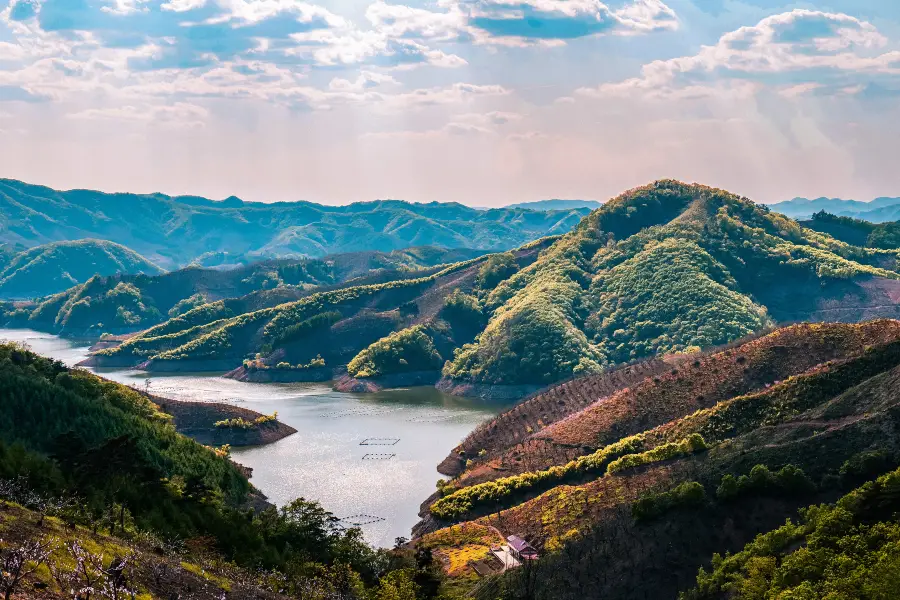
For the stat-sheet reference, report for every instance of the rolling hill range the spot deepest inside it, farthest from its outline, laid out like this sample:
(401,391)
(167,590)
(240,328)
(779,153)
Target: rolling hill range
(665,268)
(122,304)
(879,210)
(630,482)
(177,231)
(54,267)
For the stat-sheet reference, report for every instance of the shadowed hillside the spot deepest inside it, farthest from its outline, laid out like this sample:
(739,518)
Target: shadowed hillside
(694,461)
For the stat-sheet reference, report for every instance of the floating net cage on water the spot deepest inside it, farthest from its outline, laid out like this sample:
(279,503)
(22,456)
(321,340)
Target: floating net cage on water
(378,456)
(358,412)
(379,442)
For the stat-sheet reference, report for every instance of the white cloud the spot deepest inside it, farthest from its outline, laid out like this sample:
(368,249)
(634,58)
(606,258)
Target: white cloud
(554,22)
(398,20)
(795,48)
(182,5)
(495,118)
(125,7)
(365,81)
(179,114)
(255,11)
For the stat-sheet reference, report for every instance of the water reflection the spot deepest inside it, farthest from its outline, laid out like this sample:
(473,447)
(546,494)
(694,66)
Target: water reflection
(326,460)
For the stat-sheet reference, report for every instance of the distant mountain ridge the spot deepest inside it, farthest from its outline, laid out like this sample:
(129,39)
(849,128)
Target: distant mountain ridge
(879,210)
(174,231)
(57,266)
(557,204)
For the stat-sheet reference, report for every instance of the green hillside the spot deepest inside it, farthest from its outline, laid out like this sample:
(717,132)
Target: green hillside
(127,303)
(856,231)
(665,268)
(54,267)
(94,476)
(177,231)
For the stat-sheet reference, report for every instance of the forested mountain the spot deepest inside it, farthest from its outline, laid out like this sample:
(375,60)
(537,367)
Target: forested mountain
(57,266)
(100,497)
(629,482)
(665,268)
(176,231)
(879,210)
(127,303)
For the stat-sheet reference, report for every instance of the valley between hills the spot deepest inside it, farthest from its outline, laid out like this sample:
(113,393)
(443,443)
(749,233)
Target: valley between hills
(702,401)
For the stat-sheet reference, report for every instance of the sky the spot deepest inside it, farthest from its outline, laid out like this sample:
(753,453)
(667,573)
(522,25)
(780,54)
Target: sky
(484,102)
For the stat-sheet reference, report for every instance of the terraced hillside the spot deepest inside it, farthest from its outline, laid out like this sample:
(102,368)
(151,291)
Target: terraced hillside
(55,267)
(666,268)
(648,481)
(127,303)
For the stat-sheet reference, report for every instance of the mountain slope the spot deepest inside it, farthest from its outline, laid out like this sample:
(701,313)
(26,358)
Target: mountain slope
(177,231)
(127,303)
(856,231)
(665,268)
(334,323)
(682,465)
(57,266)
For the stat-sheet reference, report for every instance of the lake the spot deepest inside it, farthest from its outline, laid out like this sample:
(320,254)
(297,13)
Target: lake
(368,458)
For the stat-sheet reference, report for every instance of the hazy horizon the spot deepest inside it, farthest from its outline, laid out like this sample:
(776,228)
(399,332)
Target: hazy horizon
(482,102)
(473,204)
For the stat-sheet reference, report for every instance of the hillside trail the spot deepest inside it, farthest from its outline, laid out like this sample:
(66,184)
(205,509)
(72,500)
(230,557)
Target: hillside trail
(831,425)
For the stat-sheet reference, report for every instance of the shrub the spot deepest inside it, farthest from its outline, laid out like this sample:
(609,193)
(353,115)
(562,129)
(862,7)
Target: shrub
(408,350)
(462,310)
(690,445)
(462,501)
(865,466)
(789,481)
(305,328)
(495,269)
(652,505)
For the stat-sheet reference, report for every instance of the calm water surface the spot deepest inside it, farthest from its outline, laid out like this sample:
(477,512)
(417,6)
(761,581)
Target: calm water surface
(325,460)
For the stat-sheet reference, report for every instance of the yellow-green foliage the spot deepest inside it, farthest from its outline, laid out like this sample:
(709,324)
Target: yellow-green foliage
(489,493)
(408,350)
(562,511)
(670,296)
(241,423)
(689,445)
(461,544)
(213,331)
